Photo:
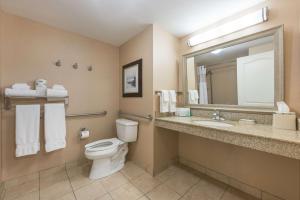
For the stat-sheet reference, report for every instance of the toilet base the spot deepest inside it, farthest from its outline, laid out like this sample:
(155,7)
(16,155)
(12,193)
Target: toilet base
(107,166)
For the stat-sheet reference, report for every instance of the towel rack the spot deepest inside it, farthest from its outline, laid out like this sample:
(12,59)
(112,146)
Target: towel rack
(158,92)
(148,117)
(8,99)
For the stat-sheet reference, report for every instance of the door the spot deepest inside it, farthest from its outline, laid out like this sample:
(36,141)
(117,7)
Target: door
(255,79)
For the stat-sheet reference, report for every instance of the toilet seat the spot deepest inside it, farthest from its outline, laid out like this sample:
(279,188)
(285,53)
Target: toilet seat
(103,145)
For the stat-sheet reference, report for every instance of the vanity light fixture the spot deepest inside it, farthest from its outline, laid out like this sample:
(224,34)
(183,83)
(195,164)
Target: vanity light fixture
(246,21)
(217,51)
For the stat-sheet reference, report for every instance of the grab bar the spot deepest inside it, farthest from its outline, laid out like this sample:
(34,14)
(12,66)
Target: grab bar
(87,114)
(148,117)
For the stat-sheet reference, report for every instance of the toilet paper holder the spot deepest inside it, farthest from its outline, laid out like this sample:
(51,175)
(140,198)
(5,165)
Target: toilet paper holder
(84,133)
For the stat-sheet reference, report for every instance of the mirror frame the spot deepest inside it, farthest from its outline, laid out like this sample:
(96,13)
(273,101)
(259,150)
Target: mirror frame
(278,33)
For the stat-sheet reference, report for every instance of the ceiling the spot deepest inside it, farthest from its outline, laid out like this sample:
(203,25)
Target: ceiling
(116,21)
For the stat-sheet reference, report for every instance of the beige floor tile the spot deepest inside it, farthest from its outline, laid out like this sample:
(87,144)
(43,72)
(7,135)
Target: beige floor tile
(55,190)
(146,183)
(104,197)
(206,189)
(114,181)
(132,171)
(29,196)
(163,192)
(69,196)
(90,192)
(52,171)
(233,194)
(79,176)
(167,174)
(143,198)
(182,181)
(17,191)
(21,180)
(126,192)
(78,163)
(54,183)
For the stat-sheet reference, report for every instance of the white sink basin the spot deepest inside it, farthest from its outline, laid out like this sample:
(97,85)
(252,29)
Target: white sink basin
(212,123)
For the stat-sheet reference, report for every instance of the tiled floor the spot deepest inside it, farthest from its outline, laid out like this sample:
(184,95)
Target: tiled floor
(71,182)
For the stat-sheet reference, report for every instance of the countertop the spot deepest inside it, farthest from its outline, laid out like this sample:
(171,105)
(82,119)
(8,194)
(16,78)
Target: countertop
(259,136)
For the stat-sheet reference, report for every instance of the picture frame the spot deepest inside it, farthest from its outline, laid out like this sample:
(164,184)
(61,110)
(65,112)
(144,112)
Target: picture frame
(132,80)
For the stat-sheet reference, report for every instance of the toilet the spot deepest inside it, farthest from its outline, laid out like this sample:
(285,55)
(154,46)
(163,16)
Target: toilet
(108,155)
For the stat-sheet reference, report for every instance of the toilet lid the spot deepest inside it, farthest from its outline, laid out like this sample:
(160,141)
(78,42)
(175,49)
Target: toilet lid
(102,145)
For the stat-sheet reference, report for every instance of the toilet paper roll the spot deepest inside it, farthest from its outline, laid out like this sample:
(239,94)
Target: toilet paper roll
(84,134)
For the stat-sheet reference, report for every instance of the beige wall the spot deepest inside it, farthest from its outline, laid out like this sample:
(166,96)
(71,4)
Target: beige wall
(274,174)
(165,67)
(28,52)
(1,16)
(141,46)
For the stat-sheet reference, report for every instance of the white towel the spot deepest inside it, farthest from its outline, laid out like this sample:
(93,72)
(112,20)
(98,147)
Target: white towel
(164,101)
(57,93)
(172,104)
(55,127)
(20,92)
(58,87)
(193,97)
(27,129)
(20,86)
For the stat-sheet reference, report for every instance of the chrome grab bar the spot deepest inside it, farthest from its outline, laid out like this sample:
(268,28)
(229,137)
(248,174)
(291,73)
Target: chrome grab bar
(96,114)
(148,117)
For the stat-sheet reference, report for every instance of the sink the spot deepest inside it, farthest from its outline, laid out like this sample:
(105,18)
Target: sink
(212,123)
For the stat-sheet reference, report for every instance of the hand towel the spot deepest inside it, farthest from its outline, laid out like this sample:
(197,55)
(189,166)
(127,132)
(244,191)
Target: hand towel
(27,129)
(193,96)
(55,127)
(20,86)
(20,92)
(172,104)
(164,101)
(57,93)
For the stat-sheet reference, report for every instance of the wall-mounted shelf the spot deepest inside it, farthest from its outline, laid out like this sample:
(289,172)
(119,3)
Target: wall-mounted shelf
(8,99)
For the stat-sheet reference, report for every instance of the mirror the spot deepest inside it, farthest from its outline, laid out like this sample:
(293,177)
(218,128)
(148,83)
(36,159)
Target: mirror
(247,72)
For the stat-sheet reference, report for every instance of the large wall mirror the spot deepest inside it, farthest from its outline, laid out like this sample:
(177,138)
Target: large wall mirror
(245,73)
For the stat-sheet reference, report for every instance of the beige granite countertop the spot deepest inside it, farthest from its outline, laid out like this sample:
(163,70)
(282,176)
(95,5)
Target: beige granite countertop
(259,136)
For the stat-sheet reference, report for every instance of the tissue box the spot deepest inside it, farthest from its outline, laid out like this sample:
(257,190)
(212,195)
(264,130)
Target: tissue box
(285,121)
(183,112)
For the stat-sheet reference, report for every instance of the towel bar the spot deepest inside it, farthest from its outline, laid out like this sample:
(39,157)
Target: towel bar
(148,117)
(159,92)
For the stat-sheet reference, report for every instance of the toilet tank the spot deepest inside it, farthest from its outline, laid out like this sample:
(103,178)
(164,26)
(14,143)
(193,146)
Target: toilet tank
(127,130)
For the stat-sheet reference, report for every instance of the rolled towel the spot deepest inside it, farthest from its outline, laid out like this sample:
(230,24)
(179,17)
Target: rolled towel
(57,93)
(21,86)
(20,92)
(58,87)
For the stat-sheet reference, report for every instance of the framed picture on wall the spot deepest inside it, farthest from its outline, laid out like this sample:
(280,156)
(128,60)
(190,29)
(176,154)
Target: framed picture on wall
(132,81)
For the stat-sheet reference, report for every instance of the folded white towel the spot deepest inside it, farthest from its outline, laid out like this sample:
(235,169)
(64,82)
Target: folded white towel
(27,129)
(172,104)
(20,86)
(20,92)
(55,127)
(57,93)
(164,101)
(58,87)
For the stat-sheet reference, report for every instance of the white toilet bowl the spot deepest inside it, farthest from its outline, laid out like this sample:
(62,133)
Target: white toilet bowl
(108,155)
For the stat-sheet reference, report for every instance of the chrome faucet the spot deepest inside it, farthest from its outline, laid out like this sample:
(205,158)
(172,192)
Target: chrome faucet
(216,116)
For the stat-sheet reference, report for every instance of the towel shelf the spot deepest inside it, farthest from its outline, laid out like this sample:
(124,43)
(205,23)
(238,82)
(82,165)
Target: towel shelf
(148,117)
(8,99)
